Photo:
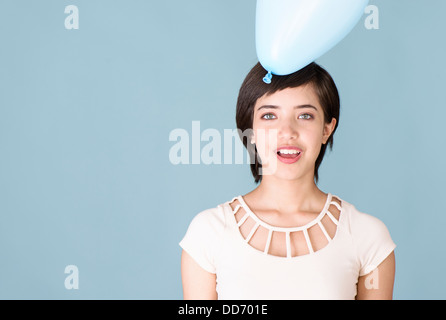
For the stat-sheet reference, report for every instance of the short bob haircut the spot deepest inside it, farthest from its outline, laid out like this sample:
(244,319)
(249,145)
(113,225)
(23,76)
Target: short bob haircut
(254,88)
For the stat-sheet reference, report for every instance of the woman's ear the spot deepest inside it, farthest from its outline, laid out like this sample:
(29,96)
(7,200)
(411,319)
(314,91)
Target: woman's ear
(328,130)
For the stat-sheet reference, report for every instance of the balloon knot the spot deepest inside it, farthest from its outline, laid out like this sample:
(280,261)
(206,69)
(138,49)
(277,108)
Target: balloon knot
(268,77)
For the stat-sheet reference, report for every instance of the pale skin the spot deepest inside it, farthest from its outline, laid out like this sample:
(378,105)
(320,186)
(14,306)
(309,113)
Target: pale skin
(288,195)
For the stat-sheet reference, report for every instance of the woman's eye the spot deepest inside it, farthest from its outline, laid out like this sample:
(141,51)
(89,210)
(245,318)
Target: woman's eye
(268,116)
(305,116)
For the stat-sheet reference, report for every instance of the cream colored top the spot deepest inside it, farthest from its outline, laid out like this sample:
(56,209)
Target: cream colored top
(255,260)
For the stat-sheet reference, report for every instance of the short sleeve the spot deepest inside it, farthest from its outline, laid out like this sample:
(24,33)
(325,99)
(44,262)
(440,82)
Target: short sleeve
(203,237)
(372,241)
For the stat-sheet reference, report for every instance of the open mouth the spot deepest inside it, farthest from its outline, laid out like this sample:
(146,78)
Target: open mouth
(289,155)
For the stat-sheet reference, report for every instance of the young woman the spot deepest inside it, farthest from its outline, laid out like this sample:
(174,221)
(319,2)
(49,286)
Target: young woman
(287,239)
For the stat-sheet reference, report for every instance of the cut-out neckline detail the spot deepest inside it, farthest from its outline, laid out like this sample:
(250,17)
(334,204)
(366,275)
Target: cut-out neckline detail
(287,242)
(285,229)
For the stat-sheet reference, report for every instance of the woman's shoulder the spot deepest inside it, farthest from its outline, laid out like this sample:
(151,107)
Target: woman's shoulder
(361,221)
(204,236)
(370,237)
(212,216)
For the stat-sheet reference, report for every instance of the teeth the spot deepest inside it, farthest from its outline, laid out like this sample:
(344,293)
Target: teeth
(288,151)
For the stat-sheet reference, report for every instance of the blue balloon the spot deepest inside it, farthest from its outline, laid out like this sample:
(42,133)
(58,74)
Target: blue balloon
(290,34)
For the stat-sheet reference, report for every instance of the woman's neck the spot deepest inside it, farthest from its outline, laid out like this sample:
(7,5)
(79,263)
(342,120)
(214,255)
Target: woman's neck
(288,196)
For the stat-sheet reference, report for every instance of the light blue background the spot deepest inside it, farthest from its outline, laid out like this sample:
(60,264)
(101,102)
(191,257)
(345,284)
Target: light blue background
(85,117)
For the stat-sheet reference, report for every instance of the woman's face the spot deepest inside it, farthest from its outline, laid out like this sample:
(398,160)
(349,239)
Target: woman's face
(289,130)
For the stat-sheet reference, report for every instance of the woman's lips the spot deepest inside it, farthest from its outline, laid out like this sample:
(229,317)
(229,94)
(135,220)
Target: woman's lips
(289,154)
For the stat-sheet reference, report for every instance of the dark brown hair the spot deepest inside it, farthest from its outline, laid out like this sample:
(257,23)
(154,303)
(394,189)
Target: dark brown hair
(254,88)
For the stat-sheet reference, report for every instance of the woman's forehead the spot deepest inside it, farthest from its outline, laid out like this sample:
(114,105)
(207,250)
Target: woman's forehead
(290,98)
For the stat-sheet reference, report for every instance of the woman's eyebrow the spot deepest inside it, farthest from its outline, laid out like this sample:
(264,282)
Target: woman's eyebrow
(302,106)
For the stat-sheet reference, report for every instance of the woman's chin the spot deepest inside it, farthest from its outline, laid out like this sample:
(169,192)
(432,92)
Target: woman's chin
(284,175)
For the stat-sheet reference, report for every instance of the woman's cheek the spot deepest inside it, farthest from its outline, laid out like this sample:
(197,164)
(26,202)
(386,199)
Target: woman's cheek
(266,143)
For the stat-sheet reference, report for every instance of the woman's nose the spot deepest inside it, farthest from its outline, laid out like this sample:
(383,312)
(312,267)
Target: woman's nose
(287,130)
